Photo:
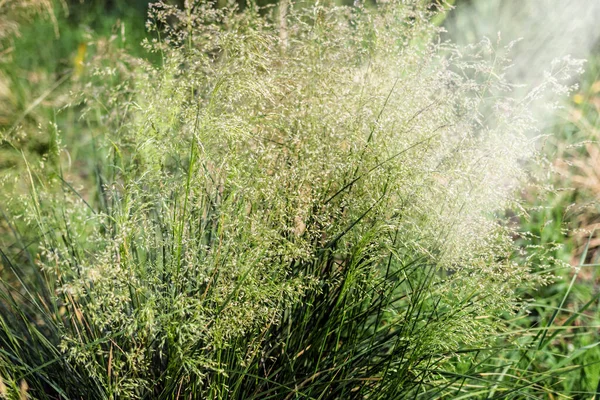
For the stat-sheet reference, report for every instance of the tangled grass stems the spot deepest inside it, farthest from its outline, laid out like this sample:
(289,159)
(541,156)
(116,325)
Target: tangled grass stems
(301,215)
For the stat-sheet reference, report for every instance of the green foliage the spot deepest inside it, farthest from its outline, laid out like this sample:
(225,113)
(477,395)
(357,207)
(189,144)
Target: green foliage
(45,54)
(566,216)
(562,202)
(292,206)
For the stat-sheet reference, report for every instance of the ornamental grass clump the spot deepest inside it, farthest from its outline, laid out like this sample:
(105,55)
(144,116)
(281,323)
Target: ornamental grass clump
(297,203)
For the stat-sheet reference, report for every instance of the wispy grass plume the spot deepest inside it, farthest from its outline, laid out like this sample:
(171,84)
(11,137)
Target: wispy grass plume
(301,215)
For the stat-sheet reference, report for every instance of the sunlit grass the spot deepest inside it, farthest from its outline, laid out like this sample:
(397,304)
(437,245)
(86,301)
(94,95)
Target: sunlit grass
(307,209)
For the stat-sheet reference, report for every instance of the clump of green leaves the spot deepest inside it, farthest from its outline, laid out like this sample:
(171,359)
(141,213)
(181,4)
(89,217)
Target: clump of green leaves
(291,206)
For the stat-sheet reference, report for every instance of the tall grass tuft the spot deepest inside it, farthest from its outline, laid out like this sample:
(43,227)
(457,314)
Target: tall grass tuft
(293,205)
